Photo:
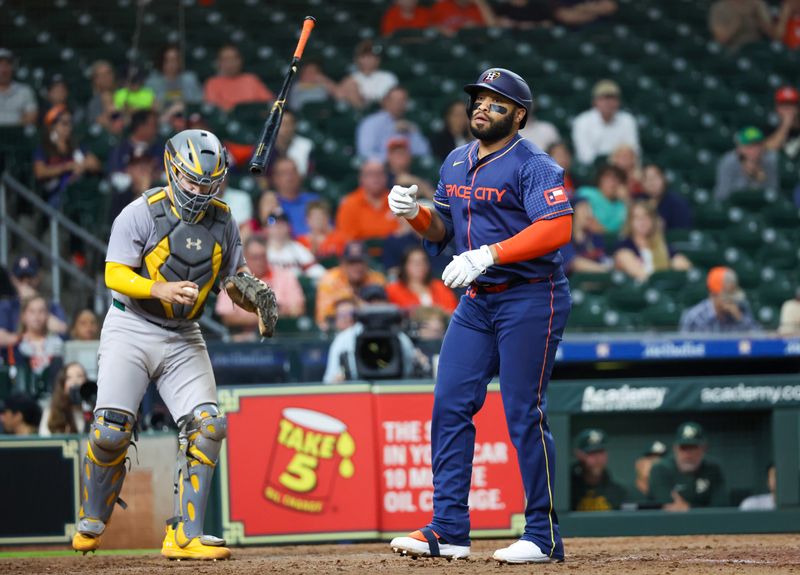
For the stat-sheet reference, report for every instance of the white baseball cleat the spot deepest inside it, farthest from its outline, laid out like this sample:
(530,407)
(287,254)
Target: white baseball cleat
(521,552)
(425,543)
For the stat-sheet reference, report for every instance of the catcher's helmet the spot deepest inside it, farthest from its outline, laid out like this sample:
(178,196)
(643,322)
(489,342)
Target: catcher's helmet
(506,83)
(200,157)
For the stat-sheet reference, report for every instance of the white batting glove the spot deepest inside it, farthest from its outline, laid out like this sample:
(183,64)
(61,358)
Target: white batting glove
(465,267)
(403,202)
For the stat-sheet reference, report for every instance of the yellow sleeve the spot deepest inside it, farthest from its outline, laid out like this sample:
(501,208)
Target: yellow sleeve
(124,280)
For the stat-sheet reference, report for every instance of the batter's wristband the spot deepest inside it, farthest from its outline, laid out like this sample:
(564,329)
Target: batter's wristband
(422,221)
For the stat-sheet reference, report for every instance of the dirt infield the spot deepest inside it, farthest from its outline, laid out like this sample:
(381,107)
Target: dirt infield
(696,555)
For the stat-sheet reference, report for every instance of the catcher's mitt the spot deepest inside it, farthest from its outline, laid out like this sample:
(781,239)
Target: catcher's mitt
(253,295)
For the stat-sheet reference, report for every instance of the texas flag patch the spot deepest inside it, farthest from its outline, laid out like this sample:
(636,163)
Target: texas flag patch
(555,196)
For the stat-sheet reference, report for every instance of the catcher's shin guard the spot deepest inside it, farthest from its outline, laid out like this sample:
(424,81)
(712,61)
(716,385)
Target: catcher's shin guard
(103,468)
(200,441)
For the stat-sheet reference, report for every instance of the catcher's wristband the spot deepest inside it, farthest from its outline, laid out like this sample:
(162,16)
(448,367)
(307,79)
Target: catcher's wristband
(422,221)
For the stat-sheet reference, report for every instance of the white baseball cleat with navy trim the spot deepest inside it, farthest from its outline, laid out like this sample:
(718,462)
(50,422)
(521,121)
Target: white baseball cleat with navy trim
(425,543)
(522,552)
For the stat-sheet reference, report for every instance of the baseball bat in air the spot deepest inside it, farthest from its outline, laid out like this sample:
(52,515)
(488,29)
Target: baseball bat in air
(266,141)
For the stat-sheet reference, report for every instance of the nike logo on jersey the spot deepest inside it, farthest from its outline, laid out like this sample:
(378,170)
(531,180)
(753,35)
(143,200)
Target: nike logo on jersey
(457,163)
(555,196)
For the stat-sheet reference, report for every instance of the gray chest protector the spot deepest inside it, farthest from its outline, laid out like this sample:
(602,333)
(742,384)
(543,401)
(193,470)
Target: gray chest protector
(183,252)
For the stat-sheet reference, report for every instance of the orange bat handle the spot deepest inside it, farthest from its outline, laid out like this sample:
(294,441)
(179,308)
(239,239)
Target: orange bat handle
(308,26)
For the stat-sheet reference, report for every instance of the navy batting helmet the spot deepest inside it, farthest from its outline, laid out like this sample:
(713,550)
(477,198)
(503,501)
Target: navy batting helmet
(506,83)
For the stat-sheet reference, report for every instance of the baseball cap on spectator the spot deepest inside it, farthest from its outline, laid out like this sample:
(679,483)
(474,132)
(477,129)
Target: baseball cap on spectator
(354,252)
(396,142)
(53,114)
(749,135)
(372,293)
(591,441)
(606,88)
(25,267)
(656,448)
(719,277)
(787,95)
(690,433)
(6,54)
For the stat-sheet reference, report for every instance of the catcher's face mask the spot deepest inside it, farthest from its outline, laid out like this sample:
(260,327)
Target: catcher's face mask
(196,164)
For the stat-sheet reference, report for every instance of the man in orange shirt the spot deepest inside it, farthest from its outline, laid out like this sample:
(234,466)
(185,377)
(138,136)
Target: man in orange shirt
(230,86)
(364,213)
(403,15)
(345,282)
(450,16)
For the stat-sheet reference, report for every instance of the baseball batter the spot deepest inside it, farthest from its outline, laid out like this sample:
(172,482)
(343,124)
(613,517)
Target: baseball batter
(165,252)
(502,200)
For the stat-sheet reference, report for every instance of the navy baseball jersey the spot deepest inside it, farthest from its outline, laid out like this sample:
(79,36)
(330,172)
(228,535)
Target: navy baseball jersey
(492,199)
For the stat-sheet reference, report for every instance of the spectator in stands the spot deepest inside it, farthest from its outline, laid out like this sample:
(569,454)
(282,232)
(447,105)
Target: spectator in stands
(430,322)
(344,281)
(345,314)
(586,252)
(627,159)
(285,253)
(170,82)
(342,364)
(455,132)
(764,501)
(673,209)
(58,162)
(655,451)
(85,326)
(790,316)
(143,141)
(602,129)
(786,137)
(788,28)
(398,243)
(405,15)
(38,349)
(644,249)
(747,167)
(57,94)
(562,156)
(288,292)
(231,86)
(543,134)
(101,106)
(398,168)
(724,311)
(415,285)
(526,15)
(364,213)
(21,415)
(26,279)
(138,177)
(450,16)
(266,205)
(368,84)
(65,414)
(593,489)
(582,12)
(17,102)
(322,239)
(685,478)
(293,199)
(134,95)
(735,23)
(290,144)
(609,200)
(239,202)
(377,129)
(312,86)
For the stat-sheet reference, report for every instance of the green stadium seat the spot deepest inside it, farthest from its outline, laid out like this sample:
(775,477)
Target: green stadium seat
(593,283)
(754,199)
(663,314)
(667,281)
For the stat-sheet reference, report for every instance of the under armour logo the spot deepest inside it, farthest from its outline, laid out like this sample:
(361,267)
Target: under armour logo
(491,76)
(196,244)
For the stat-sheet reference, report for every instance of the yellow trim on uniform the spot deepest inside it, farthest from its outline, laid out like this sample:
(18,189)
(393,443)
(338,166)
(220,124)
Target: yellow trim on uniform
(195,158)
(90,454)
(153,261)
(156,197)
(200,456)
(123,279)
(216,263)
(220,204)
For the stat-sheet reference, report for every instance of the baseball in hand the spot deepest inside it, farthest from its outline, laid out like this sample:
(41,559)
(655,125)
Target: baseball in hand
(191,292)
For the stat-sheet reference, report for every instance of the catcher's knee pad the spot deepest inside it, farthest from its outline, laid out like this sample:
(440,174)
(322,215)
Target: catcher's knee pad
(200,439)
(104,467)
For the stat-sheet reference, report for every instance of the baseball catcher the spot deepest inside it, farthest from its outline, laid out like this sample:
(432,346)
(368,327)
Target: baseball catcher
(166,251)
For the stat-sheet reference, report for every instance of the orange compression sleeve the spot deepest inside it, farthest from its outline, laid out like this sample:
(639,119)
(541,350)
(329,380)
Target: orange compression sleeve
(422,221)
(536,240)
(124,280)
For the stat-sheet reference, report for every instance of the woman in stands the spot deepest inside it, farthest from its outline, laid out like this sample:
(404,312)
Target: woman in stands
(415,286)
(627,159)
(455,132)
(85,327)
(38,353)
(644,249)
(65,413)
(586,252)
(171,83)
(58,161)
